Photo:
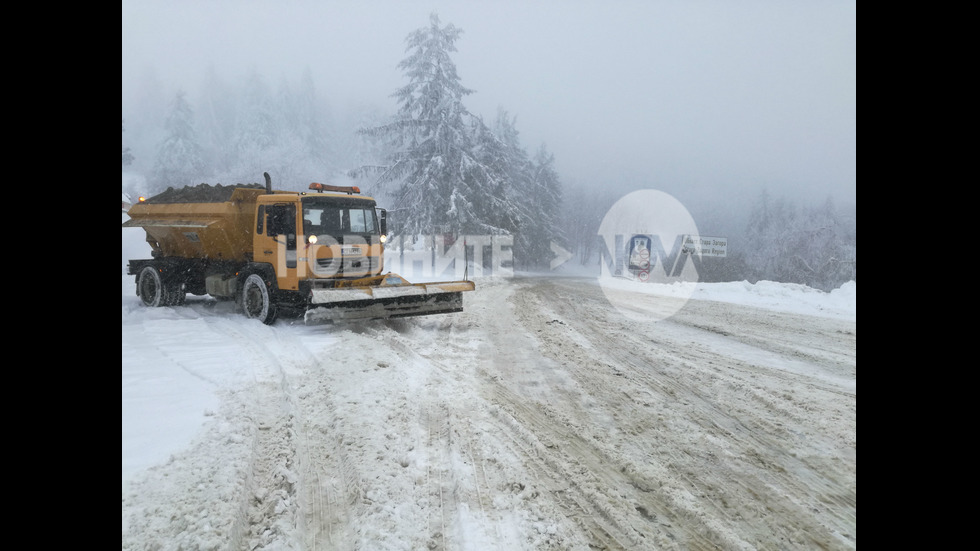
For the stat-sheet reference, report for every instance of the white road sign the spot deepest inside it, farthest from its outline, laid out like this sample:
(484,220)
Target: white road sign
(705,246)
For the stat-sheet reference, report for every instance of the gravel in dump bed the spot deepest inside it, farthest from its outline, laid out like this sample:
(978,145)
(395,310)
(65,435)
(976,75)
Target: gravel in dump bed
(201,193)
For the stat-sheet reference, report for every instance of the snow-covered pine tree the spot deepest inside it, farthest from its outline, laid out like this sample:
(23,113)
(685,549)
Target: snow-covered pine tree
(311,120)
(583,209)
(257,133)
(453,174)
(812,246)
(528,202)
(545,195)
(301,147)
(146,118)
(216,122)
(504,209)
(441,186)
(256,125)
(127,155)
(769,224)
(179,159)
(513,208)
(823,251)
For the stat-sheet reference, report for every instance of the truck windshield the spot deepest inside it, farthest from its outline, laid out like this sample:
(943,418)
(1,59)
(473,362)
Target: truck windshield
(328,218)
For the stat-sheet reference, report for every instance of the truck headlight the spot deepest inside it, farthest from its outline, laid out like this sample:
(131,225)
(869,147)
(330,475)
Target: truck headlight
(311,239)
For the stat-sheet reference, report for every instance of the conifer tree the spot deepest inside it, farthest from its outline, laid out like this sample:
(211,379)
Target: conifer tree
(545,199)
(127,156)
(310,119)
(812,246)
(450,172)
(216,121)
(428,143)
(179,160)
(256,128)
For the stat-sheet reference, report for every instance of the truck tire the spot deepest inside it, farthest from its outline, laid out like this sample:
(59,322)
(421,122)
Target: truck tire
(257,300)
(174,292)
(155,289)
(150,287)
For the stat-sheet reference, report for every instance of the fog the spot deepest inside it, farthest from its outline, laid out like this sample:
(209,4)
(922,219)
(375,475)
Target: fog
(710,101)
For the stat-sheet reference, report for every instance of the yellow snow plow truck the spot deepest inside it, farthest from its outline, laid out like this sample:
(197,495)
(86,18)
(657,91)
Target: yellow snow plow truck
(318,254)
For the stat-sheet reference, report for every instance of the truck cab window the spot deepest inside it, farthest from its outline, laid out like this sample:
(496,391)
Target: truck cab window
(330,221)
(334,218)
(359,222)
(282,220)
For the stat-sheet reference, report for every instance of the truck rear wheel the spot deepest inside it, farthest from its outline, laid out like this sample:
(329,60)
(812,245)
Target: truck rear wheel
(174,292)
(257,300)
(156,290)
(150,287)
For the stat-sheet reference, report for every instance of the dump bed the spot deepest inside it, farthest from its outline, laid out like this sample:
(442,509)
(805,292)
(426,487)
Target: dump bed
(218,227)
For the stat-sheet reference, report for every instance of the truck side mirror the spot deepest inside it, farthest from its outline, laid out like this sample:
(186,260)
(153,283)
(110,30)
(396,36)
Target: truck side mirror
(383,217)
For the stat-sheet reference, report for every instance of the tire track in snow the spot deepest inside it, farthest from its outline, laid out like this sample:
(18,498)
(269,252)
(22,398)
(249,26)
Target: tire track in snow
(311,435)
(254,430)
(449,486)
(469,492)
(303,485)
(441,488)
(575,476)
(709,433)
(333,486)
(275,473)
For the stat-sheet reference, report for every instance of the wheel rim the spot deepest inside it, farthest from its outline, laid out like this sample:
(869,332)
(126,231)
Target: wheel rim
(254,302)
(150,287)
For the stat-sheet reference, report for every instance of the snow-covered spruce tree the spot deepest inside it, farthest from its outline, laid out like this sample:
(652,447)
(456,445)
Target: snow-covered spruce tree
(216,122)
(127,155)
(146,119)
(508,170)
(441,186)
(823,249)
(584,207)
(770,223)
(545,198)
(302,149)
(812,246)
(310,120)
(248,130)
(179,159)
(528,197)
(289,160)
(256,131)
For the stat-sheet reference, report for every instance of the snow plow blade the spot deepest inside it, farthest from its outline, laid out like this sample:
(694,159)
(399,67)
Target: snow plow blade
(385,297)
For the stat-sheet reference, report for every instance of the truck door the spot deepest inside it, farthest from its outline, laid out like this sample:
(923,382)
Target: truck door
(275,241)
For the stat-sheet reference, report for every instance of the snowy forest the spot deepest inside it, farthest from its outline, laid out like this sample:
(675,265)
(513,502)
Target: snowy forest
(439,168)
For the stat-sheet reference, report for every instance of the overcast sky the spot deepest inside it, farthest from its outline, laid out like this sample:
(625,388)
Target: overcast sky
(717,96)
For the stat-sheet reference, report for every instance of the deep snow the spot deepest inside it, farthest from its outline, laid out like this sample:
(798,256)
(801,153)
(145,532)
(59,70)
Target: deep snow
(173,389)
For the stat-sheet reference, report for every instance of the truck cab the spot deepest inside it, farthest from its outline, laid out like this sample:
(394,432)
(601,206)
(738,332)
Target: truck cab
(313,239)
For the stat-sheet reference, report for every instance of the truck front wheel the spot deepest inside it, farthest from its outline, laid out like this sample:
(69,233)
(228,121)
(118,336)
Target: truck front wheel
(257,300)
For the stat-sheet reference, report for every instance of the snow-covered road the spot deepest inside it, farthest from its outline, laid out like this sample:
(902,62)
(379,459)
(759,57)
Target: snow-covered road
(538,418)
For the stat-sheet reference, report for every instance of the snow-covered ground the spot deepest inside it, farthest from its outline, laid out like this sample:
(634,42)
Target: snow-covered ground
(538,418)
